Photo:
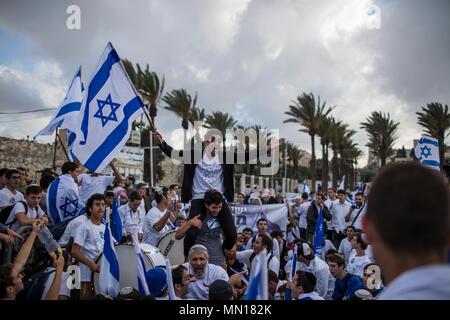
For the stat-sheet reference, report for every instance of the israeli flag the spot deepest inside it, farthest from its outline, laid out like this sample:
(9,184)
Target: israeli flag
(142,282)
(306,188)
(258,289)
(116,222)
(341,184)
(110,106)
(109,268)
(288,293)
(292,198)
(427,151)
(319,240)
(170,281)
(67,113)
(63,201)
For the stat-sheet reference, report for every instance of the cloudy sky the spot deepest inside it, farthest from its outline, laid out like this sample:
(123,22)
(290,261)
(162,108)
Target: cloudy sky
(250,58)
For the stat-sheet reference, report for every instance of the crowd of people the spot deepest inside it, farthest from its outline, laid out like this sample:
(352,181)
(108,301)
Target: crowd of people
(389,242)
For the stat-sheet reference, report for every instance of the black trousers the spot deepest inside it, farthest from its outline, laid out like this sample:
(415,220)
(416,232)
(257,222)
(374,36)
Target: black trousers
(224,217)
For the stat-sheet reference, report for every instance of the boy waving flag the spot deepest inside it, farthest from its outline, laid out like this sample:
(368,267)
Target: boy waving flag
(110,106)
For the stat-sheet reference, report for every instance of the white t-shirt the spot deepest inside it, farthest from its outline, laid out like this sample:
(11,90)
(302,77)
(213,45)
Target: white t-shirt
(330,203)
(310,296)
(72,228)
(345,247)
(19,207)
(64,289)
(7,198)
(244,257)
(303,211)
(317,267)
(356,264)
(197,291)
(132,220)
(339,212)
(208,175)
(90,237)
(275,248)
(90,185)
(151,235)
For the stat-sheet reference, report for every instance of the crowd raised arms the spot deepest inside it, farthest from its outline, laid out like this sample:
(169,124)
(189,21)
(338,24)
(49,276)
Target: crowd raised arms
(336,245)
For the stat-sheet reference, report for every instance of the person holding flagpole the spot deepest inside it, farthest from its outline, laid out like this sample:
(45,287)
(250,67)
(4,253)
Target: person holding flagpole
(312,216)
(89,242)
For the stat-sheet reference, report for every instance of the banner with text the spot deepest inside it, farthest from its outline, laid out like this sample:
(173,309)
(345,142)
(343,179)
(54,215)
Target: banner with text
(247,216)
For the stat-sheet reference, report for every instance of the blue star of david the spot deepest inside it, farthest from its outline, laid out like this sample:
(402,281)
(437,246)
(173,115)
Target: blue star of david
(427,153)
(66,212)
(112,115)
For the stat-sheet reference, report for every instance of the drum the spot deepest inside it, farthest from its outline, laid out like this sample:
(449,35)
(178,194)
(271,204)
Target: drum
(171,248)
(127,263)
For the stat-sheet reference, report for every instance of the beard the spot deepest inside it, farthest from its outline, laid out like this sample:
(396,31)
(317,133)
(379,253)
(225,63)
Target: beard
(200,273)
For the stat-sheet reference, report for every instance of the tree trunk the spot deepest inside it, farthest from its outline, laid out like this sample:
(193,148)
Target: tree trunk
(313,164)
(324,168)
(335,169)
(441,142)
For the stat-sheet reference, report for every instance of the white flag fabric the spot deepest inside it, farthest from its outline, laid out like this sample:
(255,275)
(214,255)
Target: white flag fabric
(258,289)
(142,282)
(341,184)
(110,106)
(427,151)
(67,114)
(306,188)
(169,280)
(109,268)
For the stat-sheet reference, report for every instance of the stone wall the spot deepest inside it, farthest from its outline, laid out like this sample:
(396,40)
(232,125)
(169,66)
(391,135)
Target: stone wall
(173,173)
(31,155)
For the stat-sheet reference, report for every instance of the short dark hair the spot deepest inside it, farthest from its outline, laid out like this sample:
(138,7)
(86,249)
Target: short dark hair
(132,178)
(134,195)
(240,193)
(3,171)
(46,180)
(109,194)
(417,217)
(336,258)
(5,278)
(359,194)
(10,172)
(305,195)
(351,227)
(266,241)
(334,190)
(341,191)
(276,233)
(140,185)
(69,166)
(272,276)
(22,169)
(177,274)
(261,219)
(172,186)
(247,229)
(306,280)
(33,189)
(213,197)
(90,202)
(360,240)
(225,293)
(369,265)
(321,195)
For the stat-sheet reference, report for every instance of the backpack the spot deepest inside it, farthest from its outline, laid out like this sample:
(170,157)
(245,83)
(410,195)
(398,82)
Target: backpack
(34,286)
(5,212)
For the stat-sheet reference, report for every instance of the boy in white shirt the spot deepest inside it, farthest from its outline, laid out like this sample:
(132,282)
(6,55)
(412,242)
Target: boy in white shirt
(358,258)
(132,216)
(345,247)
(21,216)
(9,194)
(88,243)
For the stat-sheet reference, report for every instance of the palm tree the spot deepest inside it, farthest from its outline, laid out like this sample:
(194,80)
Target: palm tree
(325,133)
(338,131)
(220,121)
(180,103)
(381,130)
(436,120)
(147,83)
(197,115)
(294,154)
(308,115)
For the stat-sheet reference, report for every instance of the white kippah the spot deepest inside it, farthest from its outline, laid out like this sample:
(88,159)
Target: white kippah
(306,249)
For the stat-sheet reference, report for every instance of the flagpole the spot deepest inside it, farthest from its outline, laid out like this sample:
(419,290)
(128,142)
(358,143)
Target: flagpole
(62,145)
(54,149)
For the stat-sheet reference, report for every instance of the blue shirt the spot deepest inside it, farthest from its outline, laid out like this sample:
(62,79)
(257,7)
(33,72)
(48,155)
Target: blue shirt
(341,289)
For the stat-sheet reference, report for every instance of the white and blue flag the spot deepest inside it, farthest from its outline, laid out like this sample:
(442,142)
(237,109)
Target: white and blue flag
(67,113)
(258,289)
(63,201)
(109,268)
(170,281)
(109,107)
(142,282)
(427,151)
(319,236)
(341,184)
(306,188)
